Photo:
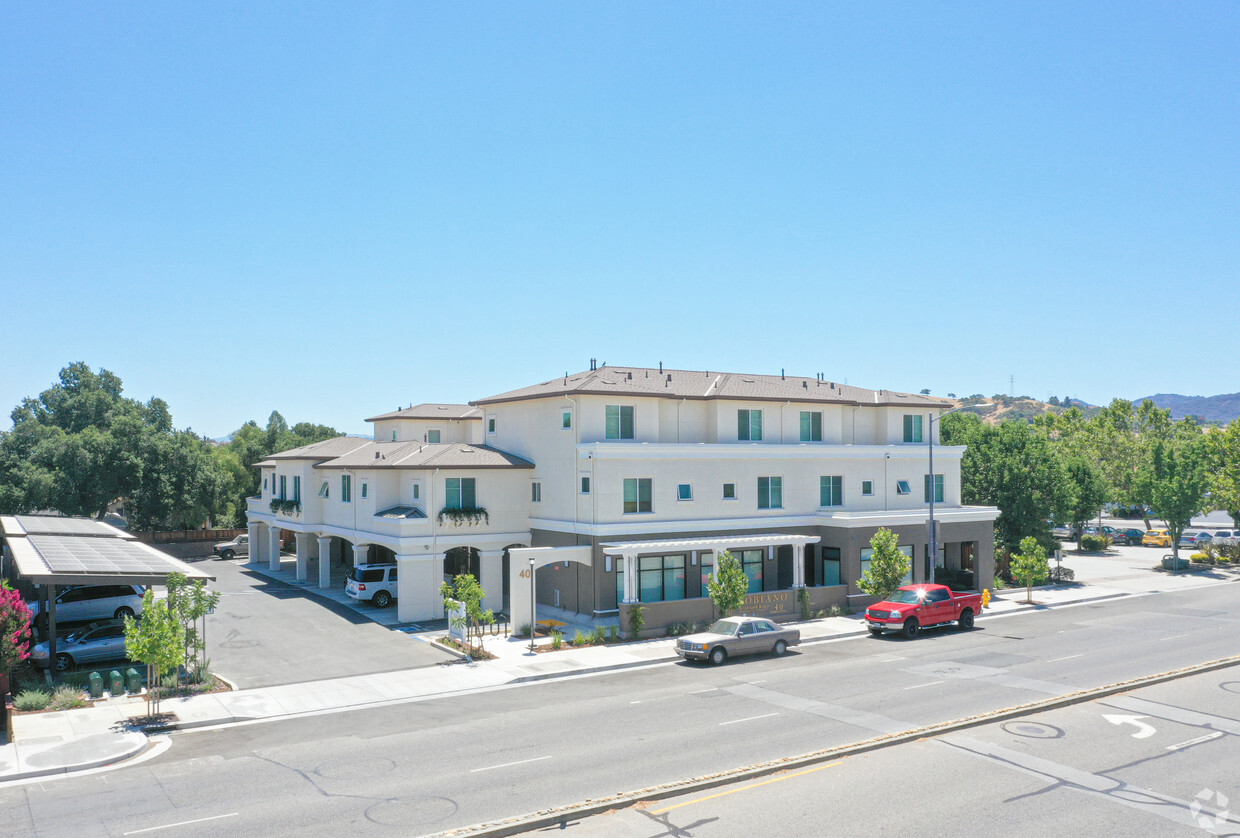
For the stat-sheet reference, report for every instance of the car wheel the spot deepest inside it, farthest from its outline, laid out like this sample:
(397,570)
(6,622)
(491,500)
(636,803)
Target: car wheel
(63,662)
(780,648)
(227,554)
(966,619)
(718,655)
(123,612)
(382,599)
(911,627)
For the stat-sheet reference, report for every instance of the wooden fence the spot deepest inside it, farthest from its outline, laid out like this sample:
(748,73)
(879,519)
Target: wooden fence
(178,536)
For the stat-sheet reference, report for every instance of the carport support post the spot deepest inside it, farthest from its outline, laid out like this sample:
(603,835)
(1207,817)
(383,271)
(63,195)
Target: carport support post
(303,555)
(252,530)
(273,558)
(325,561)
(51,627)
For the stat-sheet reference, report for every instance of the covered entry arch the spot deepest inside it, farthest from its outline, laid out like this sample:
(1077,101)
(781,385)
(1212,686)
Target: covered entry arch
(523,565)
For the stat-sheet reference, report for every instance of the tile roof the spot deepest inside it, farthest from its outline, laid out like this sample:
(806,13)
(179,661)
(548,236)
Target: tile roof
(325,450)
(431,411)
(695,384)
(383,455)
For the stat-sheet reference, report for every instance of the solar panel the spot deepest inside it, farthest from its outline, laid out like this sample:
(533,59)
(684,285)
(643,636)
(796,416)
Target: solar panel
(97,556)
(48,525)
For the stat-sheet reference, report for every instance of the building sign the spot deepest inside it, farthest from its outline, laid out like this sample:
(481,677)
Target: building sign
(770,604)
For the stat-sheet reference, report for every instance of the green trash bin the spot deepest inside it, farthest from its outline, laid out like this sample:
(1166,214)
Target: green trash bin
(133,681)
(96,685)
(116,684)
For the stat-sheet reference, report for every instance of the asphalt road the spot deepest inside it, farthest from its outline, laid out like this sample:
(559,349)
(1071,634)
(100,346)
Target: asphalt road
(426,766)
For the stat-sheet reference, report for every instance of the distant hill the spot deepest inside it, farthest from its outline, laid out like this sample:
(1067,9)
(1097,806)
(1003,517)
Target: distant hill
(1221,410)
(1000,408)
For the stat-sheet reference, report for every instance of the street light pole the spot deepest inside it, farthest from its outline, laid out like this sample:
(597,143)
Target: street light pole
(533,613)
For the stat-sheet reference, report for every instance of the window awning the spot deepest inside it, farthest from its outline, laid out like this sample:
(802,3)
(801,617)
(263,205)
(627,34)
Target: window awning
(717,543)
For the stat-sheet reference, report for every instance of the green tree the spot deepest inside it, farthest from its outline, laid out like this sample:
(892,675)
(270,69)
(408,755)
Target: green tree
(190,602)
(1173,481)
(1223,469)
(251,444)
(465,590)
(1014,467)
(729,584)
(157,640)
(1087,492)
(888,566)
(1030,565)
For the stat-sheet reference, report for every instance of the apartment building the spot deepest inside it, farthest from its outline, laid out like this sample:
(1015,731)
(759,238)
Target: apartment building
(621,485)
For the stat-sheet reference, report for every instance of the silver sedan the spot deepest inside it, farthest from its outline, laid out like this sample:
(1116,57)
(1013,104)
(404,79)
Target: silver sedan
(733,636)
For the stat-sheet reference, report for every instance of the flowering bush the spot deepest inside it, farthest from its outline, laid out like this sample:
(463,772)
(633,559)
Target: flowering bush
(14,629)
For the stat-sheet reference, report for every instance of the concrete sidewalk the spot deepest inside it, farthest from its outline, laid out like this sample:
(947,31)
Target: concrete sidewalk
(74,740)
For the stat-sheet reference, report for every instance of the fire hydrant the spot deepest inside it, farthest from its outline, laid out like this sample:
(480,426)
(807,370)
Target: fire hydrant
(985,597)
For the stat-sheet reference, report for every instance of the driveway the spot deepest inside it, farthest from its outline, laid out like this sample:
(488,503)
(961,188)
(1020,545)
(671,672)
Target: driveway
(265,633)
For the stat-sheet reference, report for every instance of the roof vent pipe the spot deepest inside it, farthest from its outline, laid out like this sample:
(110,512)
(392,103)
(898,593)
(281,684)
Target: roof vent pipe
(781,373)
(660,368)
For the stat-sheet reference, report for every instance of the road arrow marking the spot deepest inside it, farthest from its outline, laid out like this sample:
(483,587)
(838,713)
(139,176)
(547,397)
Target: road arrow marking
(1144,731)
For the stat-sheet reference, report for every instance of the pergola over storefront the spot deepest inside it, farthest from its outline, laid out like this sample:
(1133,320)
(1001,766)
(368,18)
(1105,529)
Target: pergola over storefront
(57,552)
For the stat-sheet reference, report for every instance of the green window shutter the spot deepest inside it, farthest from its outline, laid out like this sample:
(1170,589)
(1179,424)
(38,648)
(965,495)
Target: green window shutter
(452,493)
(613,422)
(742,424)
(755,425)
(764,493)
(469,493)
(626,422)
(630,495)
(777,493)
(645,502)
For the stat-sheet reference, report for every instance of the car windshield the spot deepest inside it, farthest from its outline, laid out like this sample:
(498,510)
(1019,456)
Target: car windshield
(905,596)
(724,627)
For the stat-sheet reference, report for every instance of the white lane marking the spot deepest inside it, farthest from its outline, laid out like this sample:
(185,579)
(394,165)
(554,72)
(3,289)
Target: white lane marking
(919,686)
(1067,658)
(1215,735)
(508,764)
(890,660)
(758,682)
(707,690)
(750,719)
(1177,636)
(1144,731)
(181,823)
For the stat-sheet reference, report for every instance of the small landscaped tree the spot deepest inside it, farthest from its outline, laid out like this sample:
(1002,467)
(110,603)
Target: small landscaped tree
(14,633)
(466,591)
(1174,482)
(157,640)
(189,603)
(888,565)
(728,586)
(1030,565)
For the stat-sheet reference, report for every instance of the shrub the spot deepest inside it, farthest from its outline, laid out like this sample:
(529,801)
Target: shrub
(613,634)
(523,630)
(804,603)
(30,700)
(66,697)
(557,640)
(1093,543)
(637,619)
(1062,574)
(836,611)
(598,636)
(580,638)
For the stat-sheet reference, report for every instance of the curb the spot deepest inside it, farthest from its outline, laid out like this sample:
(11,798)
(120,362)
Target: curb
(132,752)
(548,818)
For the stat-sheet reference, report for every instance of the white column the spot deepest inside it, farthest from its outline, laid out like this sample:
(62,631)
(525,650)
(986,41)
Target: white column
(325,561)
(255,532)
(630,577)
(303,555)
(491,569)
(273,542)
(361,553)
(798,565)
(418,588)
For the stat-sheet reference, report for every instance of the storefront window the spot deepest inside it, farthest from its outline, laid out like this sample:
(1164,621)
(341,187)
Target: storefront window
(751,563)
(661,578)
(830,566)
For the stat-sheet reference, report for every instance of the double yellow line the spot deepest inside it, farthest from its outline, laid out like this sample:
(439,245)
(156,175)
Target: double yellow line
(776,779)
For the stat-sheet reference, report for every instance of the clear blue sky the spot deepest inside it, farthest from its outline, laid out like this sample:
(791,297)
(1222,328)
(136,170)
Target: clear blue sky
(332,209)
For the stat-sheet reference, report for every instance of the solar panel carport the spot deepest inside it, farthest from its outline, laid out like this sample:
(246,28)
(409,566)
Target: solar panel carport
(57,552)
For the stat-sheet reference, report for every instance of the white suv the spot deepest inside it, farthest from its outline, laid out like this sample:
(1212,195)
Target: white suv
(375,583)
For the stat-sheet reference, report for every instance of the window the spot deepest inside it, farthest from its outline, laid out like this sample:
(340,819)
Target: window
(868,552)
(432,437)
(751,563)
(811,426)
(393,435)
(938,488)
(536,492)
(283,486)
(830,566)
(902,488)
(460,493)
(831,490)
(912,428)
(660,578)
(684,491)
(264,484)
(491,424)
(637,494)
(770,493)
(749,425)
(417,490)
(346,488)
(566,419)
(867,487)
(729,491)
(323,490)
(707,564)
(585,485)
(297,488)
(619,421)
(365,490)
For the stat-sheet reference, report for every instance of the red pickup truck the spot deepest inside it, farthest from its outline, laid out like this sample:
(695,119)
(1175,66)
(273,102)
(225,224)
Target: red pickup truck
(913,607)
